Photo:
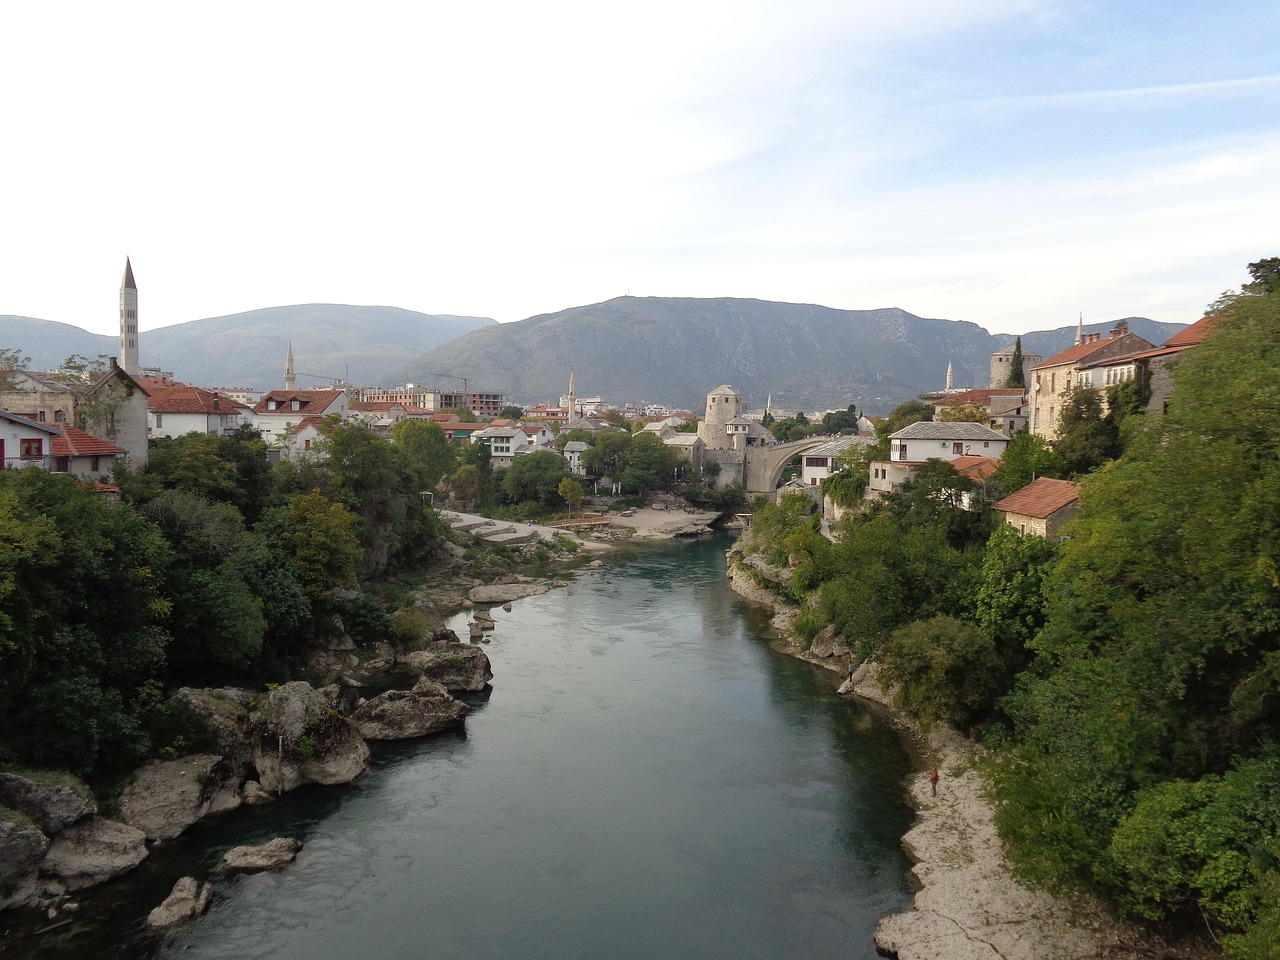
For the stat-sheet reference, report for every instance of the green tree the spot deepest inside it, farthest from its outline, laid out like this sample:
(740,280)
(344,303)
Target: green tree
(1086,438)
(649,464)
(510,412)
(320,539)
(947,670)
(535,478)
(1017,376)
(964,413)
(607,453)
(571,492)
(424,452)
(1027,457)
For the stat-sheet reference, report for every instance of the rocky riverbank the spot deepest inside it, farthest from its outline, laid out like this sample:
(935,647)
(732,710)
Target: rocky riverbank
(968,907)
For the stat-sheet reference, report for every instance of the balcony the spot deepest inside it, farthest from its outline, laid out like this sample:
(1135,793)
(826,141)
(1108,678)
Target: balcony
(18,463)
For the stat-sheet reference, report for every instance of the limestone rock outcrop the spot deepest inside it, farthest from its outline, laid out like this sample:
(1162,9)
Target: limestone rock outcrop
(500,593)
(403,714)
(50,806)
(22,848)
(94,850)
(272,855)
(188,900)
(458,666)
(300,739)
(165,797)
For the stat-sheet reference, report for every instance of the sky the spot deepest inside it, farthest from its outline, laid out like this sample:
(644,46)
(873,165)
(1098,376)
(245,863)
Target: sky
(1014,163)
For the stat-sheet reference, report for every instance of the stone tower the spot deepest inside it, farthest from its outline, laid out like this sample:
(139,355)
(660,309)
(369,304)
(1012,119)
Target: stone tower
(723,405)
(290,378)
(128,321)
(573,398)
(1000,365)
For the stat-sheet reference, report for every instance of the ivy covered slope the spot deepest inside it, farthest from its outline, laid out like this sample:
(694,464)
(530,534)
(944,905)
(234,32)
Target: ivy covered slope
(1128,678)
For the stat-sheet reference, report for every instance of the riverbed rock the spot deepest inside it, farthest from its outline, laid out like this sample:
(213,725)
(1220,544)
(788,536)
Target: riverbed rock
(456,665)
(53,800)
(253,795)
(404,714)
(301,739)
(188,900)
(22,849)
(163,798)
(94,850)
(499,593)
(272,855)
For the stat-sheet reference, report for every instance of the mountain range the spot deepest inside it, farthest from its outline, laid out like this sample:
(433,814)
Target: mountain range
(669,350)
(330,342)
(674,351)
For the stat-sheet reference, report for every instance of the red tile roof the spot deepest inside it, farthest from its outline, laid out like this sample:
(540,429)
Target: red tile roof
(982,397)
(1192,334)
(180,398)
(311,401)
(1040,498)
(1082,351)
(975,467)
(76,443)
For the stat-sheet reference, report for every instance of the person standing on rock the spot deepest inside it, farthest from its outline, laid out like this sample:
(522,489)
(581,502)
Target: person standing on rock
(933,780)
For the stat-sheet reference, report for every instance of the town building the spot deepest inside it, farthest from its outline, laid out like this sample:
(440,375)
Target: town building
(1053,379)
(1041,507)
(914,444)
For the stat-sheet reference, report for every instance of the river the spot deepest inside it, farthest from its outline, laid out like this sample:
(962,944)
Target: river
(646,778)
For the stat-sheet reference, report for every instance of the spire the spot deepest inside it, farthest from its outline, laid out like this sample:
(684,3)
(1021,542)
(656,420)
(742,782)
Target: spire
(1080,330)
(128,353)
(573,405)
(289,378)
(950,379)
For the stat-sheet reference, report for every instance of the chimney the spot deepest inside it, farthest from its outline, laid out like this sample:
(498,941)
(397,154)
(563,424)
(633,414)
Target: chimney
(1120,330)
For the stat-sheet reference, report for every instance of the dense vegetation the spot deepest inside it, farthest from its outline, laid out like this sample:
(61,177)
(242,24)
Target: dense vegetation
(1128,677)
(214,569)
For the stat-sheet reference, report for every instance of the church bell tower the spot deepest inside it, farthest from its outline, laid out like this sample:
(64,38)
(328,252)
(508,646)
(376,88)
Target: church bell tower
(128,356)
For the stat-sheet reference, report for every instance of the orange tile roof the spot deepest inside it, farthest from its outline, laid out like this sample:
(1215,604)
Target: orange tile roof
(975,467)
(1083,350)
(180,398)
(72,442)
(983,396)
(1040,498)
(311,400)
(1194,333)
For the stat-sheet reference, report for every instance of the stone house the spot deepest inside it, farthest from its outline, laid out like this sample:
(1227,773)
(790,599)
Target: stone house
(821,462)
(1053,379)
(1041,507)
(83,454)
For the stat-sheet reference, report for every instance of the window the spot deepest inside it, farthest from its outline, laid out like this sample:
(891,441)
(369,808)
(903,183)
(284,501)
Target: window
(159,420)
(957,448)
(31,448)
(297,405)
(40,417)
(986,443)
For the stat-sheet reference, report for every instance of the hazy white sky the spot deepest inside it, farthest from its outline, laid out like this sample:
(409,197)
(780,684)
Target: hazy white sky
(1009,162)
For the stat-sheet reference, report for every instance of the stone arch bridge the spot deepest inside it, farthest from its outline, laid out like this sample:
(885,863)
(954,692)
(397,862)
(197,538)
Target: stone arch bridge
(764,464)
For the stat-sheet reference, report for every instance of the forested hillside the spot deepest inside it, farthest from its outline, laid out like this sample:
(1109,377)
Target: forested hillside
(1128,677)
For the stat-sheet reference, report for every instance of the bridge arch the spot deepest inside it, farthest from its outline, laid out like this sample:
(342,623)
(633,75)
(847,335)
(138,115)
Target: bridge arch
(764,465)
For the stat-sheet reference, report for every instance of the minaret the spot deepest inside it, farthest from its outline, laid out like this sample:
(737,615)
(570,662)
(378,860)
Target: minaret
(289,378)
(129,321)
(1080,330)
(573,402)
(950,378)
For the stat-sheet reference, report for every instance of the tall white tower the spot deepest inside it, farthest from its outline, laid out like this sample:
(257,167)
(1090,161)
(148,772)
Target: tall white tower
(128,321)
(1080,329)
(950,378)
(573,400)
(289,377)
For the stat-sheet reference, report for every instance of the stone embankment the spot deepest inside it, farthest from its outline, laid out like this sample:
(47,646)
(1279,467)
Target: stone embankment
(968,906)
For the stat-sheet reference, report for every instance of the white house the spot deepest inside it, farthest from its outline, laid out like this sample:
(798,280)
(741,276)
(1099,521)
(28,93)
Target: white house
(280,412)
(83,454)
(914,444)
(537,436)
(25,443)
(504,443)
(821,462)
(573,451)
(174,409)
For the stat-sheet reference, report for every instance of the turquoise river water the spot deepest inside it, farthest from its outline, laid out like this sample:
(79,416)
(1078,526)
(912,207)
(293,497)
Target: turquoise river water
(645,779)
